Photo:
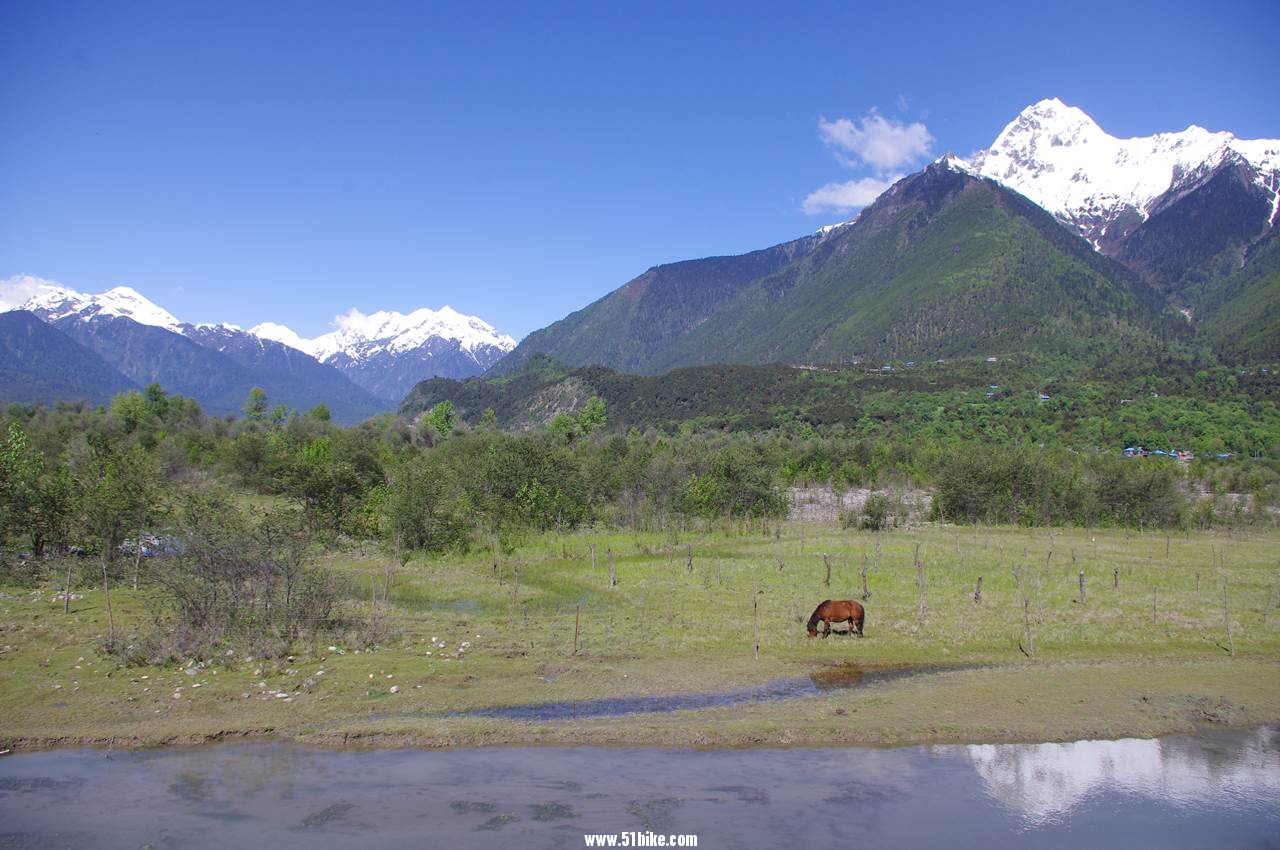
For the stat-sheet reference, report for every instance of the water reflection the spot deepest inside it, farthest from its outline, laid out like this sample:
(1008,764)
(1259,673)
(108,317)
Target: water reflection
(1044,783)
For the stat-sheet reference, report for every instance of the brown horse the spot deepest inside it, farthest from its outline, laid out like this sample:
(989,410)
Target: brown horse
(837,611)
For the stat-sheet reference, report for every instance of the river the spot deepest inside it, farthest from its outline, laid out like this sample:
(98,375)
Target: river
(1220,789)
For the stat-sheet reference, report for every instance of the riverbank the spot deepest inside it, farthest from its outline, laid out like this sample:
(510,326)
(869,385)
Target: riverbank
(1142,655)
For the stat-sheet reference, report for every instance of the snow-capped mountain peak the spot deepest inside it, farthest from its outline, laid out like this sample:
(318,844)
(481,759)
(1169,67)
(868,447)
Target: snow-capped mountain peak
(52,301)
(1059,157)
(360,336)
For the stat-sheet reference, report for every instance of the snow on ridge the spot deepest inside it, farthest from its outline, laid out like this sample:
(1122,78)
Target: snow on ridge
(53,301)
(283,335)
(1059,157)
(362,335)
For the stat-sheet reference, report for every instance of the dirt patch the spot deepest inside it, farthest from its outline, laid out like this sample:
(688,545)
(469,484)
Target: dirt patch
(824,503)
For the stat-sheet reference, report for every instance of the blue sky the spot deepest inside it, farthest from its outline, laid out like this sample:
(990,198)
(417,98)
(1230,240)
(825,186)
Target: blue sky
(247,162)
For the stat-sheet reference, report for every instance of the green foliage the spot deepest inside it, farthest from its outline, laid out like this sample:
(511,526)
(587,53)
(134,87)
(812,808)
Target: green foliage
(733,485)
(441,418)
(875,512)
(1032,488)
(255,406)
(592,416)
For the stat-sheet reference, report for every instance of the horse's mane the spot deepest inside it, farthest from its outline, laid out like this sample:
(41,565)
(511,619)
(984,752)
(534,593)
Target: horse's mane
(813,621)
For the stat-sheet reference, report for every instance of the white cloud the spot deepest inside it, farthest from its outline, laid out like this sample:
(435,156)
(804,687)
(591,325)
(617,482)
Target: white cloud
(848,196)
(876,141)
(19,289)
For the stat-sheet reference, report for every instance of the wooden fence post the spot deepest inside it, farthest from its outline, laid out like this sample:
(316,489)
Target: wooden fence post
(1155,596)
(977,592)
(1226,615)
(689,563)
(613,576)
(577,620)
(920,582)
(826,561)
(755,619)
(866,594)
(1026,619)
(593,558)
(1115,578)
(1082,600)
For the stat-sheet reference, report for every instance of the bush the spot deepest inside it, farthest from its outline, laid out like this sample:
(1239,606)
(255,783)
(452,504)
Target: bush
(875,512)
(732,486)
(236,582)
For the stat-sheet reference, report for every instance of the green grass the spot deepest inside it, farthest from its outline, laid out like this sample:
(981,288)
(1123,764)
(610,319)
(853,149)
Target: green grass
(665,629)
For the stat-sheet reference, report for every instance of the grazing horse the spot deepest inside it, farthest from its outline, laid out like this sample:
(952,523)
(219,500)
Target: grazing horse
(837,611)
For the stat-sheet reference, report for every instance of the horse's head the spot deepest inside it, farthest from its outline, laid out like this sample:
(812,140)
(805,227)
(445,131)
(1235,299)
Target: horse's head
(813,631)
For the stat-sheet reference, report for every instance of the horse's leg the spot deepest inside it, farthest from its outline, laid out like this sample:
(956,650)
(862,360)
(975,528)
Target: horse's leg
(851,626)
(827,631)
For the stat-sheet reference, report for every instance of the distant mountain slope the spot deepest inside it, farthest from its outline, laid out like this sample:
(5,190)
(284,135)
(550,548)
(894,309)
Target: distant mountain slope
(289,376)
(1200,233)
(942,264)
(633,326)
(39,363)
(1242,318)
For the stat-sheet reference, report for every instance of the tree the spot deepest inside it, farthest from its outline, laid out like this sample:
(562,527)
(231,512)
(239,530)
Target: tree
(120,488)
(20,468)
(325,483)
(131,410)
(255,406)
(441,418)
(320,413)
(592,415)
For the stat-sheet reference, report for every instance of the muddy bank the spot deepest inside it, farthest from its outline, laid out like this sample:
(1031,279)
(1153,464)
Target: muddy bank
(1031,702)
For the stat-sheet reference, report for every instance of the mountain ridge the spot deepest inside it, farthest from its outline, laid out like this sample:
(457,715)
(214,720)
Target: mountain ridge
(364,366)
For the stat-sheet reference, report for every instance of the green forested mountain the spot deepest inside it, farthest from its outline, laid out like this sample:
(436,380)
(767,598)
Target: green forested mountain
(1241,317)
(942,265)
(633,326)
(41,363)
(1195,238)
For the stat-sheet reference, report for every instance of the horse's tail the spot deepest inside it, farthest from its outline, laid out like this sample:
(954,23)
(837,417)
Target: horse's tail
(817,614)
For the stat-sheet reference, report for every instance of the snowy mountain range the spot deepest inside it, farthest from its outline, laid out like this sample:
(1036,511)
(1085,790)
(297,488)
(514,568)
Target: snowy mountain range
(1185,220)
(384,353)
(388,352)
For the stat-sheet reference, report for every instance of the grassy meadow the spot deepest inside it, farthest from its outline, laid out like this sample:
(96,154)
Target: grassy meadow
(1147,651)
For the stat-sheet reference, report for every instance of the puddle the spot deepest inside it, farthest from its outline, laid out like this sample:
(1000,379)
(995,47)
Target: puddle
(839,677)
